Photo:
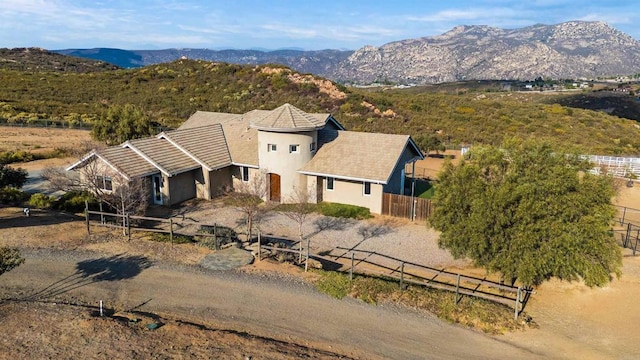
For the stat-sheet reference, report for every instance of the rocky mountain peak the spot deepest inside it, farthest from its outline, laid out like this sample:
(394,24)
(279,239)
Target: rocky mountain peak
(574,49)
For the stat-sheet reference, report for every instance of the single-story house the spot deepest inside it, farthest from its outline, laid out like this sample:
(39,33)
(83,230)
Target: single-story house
(285,149)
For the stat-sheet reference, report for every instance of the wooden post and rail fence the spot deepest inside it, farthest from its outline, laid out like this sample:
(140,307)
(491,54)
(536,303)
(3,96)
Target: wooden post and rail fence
(368,263)
(130,223)
(353,261)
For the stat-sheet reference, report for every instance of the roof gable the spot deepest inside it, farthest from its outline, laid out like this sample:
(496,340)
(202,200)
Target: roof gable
(205,145)
(123,160)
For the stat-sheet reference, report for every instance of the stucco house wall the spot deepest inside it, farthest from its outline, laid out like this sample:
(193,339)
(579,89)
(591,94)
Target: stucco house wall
(179,188)
(352,193)
(283,161)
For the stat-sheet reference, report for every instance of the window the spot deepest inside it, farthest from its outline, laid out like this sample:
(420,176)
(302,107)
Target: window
(366,188)
(294,148)
(312,146)
(104,183)
(245,173)
(329,183)
(108,184)
(272,148)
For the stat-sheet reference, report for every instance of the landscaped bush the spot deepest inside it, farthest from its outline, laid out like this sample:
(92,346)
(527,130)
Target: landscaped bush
(74,201)
(12,196)
(223,235)
(177,239)
(41,201)
(345,211)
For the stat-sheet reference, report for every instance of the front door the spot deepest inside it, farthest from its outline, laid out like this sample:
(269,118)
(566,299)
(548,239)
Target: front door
(274,187)
(157,189)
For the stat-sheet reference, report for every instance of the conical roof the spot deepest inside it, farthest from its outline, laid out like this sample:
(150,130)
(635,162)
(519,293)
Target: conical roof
(288,118)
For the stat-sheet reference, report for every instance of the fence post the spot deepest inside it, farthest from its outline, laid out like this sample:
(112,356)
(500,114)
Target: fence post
(86,216)
(101,214)
(624,213)
(306,263)
(129,226)
(458,289)
(215,236)
(259,245)
(626,239)
(171,231)
(351,270)
(515,308)
(401,275)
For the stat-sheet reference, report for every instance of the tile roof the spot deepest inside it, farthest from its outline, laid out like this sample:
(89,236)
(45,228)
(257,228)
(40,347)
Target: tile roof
(127,161)
(288,118)
(206,145)
(204,118)
(242,140)
(162,154)
(359,156)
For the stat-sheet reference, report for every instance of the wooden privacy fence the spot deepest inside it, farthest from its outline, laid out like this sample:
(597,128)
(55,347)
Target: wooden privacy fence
(413,208)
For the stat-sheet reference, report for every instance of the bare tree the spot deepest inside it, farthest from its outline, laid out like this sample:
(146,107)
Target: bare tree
(299,212)
(124,195)
(248,199)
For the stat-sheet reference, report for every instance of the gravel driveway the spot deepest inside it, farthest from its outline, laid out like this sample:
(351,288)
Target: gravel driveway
(399,238)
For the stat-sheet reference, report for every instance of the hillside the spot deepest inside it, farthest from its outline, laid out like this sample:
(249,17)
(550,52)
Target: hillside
(171,92)
(319,62)
(36,59)
(570,50)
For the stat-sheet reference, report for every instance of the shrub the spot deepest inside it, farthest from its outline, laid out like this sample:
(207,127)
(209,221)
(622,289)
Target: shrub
(224,235)
(74,201)
(345,211)
(177,239)
(334,284)
(41,201)
(13,196)
(12,177)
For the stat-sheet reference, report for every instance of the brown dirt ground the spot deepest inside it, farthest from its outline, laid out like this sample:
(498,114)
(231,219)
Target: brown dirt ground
(578,321)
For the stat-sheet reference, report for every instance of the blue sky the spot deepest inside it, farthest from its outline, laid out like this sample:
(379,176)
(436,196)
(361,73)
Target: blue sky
(273,24)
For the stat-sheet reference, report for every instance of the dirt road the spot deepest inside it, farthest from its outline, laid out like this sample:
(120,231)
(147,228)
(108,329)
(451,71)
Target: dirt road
(275,306)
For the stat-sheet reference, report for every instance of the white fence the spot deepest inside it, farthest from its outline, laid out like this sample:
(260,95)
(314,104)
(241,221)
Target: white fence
(616,166)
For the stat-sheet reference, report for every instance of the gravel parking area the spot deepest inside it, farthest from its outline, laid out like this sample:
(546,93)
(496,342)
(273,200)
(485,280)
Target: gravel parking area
(398,238)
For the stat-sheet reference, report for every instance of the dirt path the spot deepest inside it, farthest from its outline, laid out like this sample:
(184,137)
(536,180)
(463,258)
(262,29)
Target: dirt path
(281,308)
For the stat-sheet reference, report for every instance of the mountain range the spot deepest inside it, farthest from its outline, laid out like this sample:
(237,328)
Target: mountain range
(569,50)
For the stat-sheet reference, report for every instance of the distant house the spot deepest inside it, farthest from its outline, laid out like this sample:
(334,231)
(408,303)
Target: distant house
(286,148)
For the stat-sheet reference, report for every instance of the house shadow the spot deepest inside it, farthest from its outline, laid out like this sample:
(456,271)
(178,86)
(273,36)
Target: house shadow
(112,268)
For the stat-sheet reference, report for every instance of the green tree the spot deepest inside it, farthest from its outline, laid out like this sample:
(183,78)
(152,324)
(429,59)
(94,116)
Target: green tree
(428,143)
(528,212)
(11,177)
(10,258)
(121,123)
